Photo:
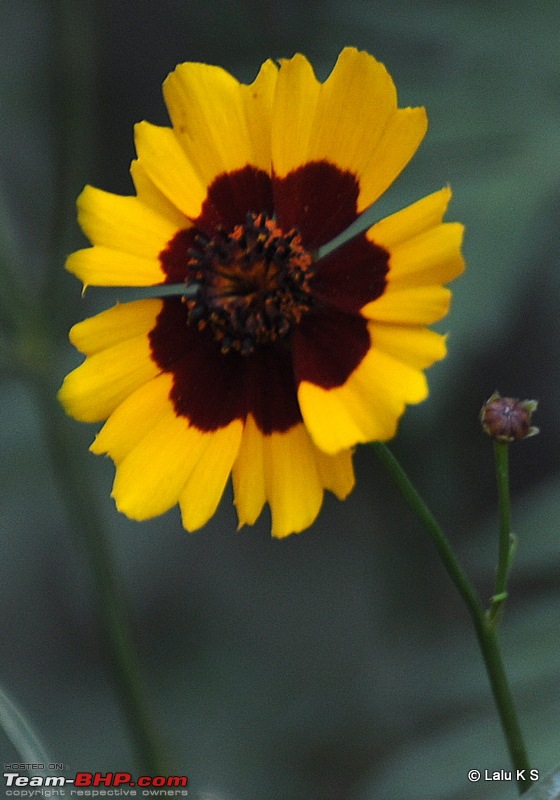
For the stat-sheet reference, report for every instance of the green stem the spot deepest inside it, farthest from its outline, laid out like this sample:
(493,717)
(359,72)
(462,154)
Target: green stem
(29,356)
(487,635)
(483,621)
(412,497)
(506,545)
(72,473)
(72,90)
(12,301)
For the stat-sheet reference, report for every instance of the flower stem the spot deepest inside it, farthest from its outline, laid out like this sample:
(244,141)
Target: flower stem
(12,302)
(71,471)
(29,355)
(484,622)
(415,502)
(487,635)
(72,78)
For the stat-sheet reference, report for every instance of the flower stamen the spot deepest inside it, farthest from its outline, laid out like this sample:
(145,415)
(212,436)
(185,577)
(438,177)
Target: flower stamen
(252,283)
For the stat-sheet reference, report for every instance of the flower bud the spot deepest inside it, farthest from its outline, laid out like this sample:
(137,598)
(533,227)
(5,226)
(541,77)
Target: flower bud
(507,419)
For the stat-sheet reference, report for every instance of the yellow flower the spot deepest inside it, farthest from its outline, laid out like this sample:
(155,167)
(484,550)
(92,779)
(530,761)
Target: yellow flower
(272,360)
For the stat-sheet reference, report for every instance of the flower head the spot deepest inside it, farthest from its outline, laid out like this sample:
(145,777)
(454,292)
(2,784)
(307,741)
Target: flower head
(273,359)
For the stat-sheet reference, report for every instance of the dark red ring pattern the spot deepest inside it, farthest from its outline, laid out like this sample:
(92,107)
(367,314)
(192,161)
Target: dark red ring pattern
(318,198)
(212,389)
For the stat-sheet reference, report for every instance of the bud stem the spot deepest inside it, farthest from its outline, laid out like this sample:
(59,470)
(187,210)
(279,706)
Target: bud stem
(484,623)
(507,545)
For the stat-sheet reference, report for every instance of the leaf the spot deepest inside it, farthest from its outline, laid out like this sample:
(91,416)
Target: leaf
(21,734)
(546,789)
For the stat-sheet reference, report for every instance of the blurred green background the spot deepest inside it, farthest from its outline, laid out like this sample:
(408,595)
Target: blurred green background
(337,664)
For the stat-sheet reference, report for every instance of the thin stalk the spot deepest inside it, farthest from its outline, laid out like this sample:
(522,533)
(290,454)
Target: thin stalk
(72,474)
(30,357)
(487,635)
(13,305)
(421,510)
(483,622)
(506,546)
(72,92)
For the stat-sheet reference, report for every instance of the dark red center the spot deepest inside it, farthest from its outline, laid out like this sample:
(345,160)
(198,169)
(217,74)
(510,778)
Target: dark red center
(255,293)
(251,283)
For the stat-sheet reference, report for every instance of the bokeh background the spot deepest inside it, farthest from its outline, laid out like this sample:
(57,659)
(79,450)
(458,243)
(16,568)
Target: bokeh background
(337,664)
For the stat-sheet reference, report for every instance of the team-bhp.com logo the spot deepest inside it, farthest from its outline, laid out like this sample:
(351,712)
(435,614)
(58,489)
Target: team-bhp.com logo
(86,784)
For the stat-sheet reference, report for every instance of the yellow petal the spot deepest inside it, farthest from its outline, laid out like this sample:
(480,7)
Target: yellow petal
(368,406)
(351,121)
(355,103)
(132,420)
(423,249)
(92,391)
(151,477)
(410,221)
(258,98)
(420,305)
(123,321)
(417,347)
(248,475)
(204,488)
(165,163)
(151,196)
(290,472)
(431,257)
(123,223)
(295,102)
(336,472)
(402,135)
(292,481)
(103,266)
(220,124)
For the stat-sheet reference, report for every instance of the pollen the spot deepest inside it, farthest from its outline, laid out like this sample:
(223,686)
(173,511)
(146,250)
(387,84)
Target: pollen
(252,283)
